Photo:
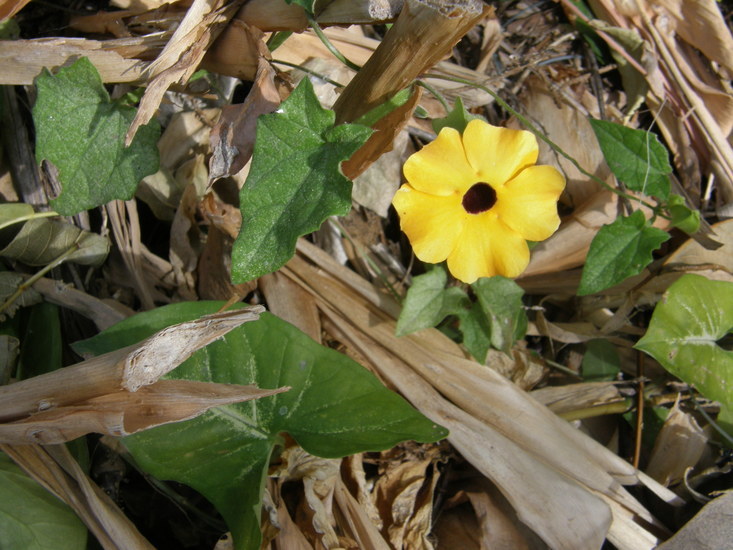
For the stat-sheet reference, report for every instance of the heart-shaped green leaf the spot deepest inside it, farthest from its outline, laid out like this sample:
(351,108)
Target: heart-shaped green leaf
(335,408)
(82,132)
(294,183)
(693,316)
(636,157)
(619,250)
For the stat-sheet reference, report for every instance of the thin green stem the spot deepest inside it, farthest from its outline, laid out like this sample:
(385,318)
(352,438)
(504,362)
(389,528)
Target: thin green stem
(331,48)
(309,71)
(440,97)
(559,150)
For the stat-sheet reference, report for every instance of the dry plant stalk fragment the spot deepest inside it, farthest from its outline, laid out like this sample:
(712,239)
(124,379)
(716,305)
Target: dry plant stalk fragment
(120,392)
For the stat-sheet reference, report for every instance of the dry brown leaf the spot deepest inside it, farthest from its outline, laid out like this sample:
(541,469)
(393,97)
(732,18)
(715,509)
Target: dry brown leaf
(8,8)
(564,124)
(233,136)
(386,130)
(291,303)
(23,60)
(123,413)
(203,22)
(527,457)
(679,445)
(423,33)
(404,493)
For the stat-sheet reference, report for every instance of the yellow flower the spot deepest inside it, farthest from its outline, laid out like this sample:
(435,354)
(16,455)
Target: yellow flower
(477,199)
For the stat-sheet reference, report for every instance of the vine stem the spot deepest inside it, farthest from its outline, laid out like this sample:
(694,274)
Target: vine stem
(555,147)
(331,48)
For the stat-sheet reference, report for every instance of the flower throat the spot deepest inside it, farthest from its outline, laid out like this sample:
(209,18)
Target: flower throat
(479,198)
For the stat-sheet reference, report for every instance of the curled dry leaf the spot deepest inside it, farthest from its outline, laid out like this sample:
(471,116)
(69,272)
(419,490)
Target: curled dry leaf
(123,413)
(233,136)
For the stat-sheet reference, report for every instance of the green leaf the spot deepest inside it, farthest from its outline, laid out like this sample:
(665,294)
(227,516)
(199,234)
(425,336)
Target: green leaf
(684,333)
(82,133)
(428,302)
(600,361)
(457,118)
(619,250)
(294,183)
(335,408)
(636,157)
(496,319)
(41,241)
(42,343)
(683,217)
(31,518)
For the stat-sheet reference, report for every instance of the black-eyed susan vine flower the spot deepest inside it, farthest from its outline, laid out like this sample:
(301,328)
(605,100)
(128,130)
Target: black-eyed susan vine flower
(476,199)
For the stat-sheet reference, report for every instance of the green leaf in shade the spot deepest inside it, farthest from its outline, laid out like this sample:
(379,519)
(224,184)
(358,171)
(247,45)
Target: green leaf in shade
(41,344)
(335,408)
(618,251)
(457,118)
(600,361)
(31,518)
(636,157)
(684,334)
(294,183)
(496,319)
(428,302)
(82,132)
(40,241)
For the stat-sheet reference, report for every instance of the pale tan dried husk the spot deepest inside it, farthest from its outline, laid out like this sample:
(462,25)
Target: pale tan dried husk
(551,473)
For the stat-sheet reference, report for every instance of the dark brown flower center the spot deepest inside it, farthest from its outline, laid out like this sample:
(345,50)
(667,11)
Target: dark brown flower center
(479,198)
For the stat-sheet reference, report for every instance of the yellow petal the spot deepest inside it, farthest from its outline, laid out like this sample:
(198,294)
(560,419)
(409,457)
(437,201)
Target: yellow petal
(432,223)
(528,203)
(498,154)
(486,248)
(441,168)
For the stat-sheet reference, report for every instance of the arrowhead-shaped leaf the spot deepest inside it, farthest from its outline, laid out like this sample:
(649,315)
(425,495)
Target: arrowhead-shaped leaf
(294,183)
(335,408)
(618,251)
(82,132)
(693,316)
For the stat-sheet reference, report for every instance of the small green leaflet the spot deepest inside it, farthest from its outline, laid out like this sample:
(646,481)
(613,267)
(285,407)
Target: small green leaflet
(457,118)
(335,408)
(428,302)
(684,333)
(497,319)
(82,133)
(636,157)
(295,182)
(619,250)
